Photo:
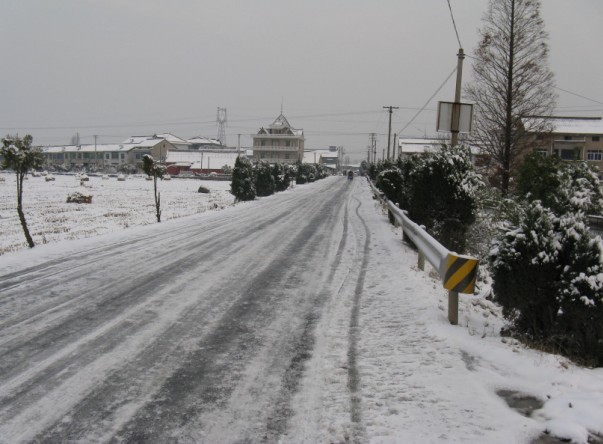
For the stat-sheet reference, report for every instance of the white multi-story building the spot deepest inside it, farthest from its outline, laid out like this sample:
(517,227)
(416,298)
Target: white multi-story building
(279,142)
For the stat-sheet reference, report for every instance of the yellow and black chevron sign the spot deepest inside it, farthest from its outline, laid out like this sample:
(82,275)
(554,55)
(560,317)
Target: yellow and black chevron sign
(461,273)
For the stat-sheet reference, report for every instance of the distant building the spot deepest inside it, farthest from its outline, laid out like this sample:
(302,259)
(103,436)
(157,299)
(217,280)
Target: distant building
(280,142)
(200,142)
(106,156)
(570,138)
(328,158)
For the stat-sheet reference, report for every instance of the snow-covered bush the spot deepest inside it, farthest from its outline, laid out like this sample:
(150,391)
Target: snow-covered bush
(306,173)
(242,186)
(264,180)
(562,186)
(282,176)
(440,193)
(78,197)
(548,277)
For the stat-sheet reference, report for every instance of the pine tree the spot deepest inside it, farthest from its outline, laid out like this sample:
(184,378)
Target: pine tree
(242,186)
(264,180)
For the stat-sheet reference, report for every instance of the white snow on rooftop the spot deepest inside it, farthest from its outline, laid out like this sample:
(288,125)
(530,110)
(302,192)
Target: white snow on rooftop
(571,125)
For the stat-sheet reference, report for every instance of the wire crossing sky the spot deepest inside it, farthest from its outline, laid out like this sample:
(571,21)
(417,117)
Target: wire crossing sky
(117,69)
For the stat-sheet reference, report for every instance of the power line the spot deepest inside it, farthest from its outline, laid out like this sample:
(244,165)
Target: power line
(428,101)
(578,95)
(454,24)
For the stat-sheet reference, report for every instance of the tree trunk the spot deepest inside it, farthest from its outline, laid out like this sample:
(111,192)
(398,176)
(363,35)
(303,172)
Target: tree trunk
(157,198)
(506,173)
(20,177)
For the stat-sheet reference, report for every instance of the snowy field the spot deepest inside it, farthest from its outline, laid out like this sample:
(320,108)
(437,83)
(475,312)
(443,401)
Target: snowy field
(115,205)
(420,380)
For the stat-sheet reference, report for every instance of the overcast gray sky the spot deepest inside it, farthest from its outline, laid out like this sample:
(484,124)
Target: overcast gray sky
(117,68)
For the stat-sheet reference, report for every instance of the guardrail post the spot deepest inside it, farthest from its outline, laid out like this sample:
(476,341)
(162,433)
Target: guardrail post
(421,261)
(453,307)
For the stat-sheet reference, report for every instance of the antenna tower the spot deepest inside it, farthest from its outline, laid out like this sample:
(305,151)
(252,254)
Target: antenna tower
(221,122)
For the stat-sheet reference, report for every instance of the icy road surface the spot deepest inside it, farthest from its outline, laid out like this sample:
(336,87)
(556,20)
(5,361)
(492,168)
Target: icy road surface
(197,332)
(298,318)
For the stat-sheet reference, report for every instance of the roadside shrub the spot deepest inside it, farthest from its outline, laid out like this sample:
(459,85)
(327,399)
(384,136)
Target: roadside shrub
(439,191)
(306,173)
(563,187)
(548,277)
(242,186)
(282,176)
(264,180)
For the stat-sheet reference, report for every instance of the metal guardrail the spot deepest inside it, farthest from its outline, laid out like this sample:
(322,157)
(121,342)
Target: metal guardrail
(458,272)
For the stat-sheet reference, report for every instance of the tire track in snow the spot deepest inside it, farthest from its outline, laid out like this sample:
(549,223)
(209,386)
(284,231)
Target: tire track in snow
(354,333)
(113,335)
(144,379)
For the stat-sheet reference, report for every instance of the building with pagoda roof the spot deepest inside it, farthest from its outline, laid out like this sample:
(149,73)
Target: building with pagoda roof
(279,142)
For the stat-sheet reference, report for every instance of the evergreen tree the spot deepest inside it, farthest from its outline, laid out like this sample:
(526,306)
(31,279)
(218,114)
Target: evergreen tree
(440,193)
(548,277)
(242,186)
(18,155)
(511,82)
(282,176)
(264,180)
(564,187)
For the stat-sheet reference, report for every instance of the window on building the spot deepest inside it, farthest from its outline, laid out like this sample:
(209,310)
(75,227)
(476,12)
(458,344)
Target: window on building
(263,143)
(542,152)
(567,137)
(288,143)
(568,155)
(114,155)
(596,138)
(594,155)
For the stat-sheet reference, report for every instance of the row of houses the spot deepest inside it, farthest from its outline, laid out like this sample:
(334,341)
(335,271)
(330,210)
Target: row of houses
(277,142)
(570,138)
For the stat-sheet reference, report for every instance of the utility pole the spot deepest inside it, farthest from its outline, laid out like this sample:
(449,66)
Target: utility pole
(456,110)
(373,147)
(453,296)
(389,133)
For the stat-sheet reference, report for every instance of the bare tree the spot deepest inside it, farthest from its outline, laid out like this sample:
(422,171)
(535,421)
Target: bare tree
(512,82)
(17,154)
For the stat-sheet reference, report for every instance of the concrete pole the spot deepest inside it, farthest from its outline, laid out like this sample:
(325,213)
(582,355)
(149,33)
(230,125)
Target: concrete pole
(453,296)
(456,109)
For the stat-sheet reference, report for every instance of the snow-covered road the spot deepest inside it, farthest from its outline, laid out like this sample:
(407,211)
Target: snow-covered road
(298,318)
(197,332)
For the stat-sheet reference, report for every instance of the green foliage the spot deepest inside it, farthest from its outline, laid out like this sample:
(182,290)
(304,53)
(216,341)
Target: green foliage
(564,187)
(153,168)
(242,186)
(548,276)
(19,155)
(437,189)
(306,173)
(264,180)
(282,176)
